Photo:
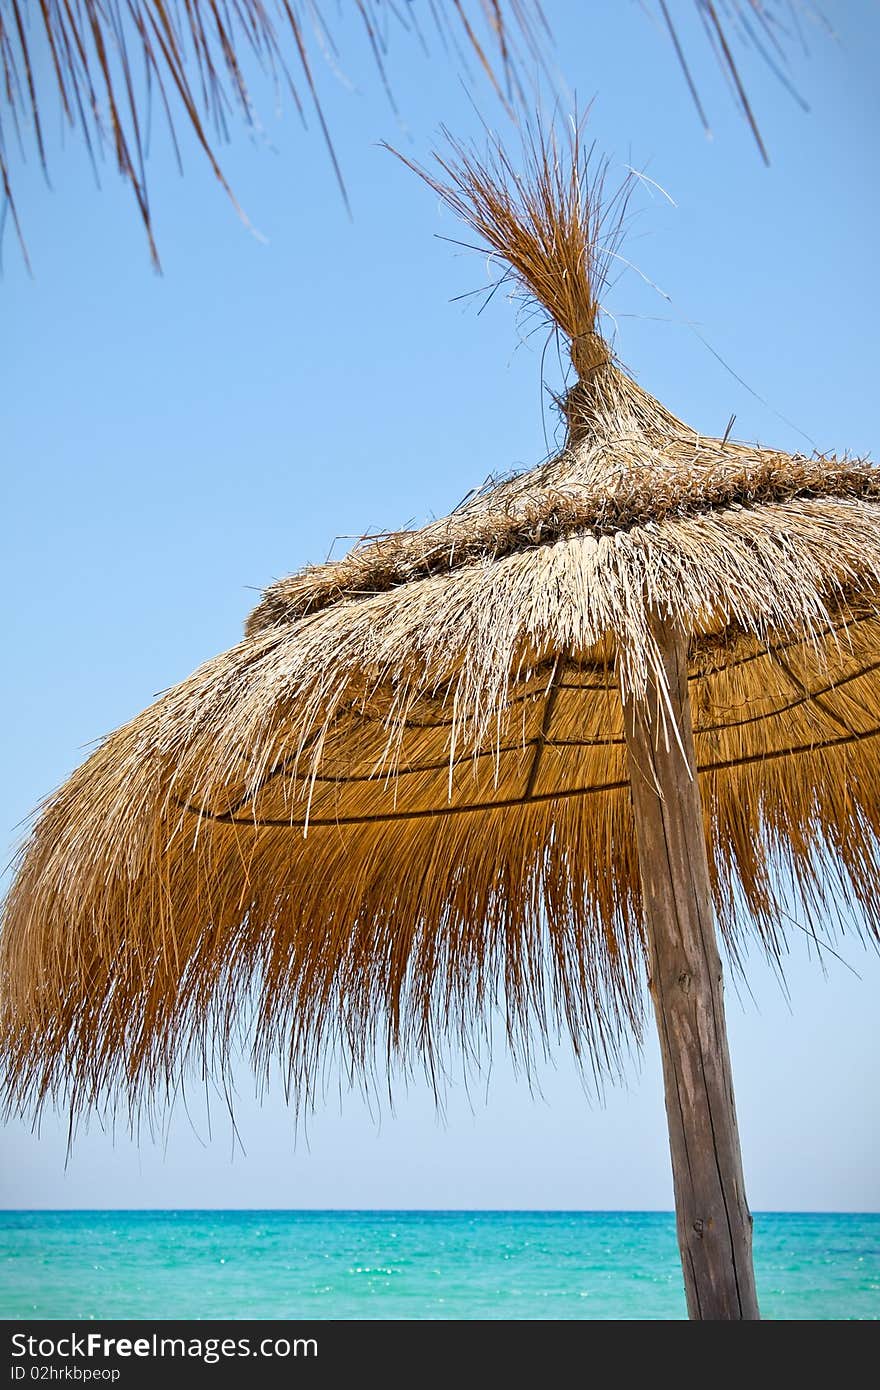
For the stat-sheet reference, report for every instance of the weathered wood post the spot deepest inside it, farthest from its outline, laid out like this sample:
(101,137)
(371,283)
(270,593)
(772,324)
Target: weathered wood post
(713,1219)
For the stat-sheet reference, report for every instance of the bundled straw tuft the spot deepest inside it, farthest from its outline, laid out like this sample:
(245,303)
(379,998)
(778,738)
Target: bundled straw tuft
(552,223)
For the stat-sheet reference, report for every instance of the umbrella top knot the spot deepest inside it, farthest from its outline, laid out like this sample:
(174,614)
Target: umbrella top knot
(588,352)
(550,225)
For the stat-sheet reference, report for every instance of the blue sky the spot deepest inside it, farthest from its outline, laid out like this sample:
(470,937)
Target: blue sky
(171,444)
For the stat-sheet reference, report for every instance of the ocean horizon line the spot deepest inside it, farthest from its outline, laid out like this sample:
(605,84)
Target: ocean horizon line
(423,1211)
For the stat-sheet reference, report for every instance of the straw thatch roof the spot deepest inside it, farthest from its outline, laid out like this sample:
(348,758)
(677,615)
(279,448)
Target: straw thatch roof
(403,796)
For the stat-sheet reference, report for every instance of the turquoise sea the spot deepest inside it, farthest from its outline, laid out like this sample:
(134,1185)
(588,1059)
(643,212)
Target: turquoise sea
(410,1264)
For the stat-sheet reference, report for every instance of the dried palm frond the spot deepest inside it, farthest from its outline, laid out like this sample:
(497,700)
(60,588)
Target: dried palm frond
(107,62)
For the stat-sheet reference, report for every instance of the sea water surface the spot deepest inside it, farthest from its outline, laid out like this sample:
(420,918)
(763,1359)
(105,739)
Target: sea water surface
(411,1264)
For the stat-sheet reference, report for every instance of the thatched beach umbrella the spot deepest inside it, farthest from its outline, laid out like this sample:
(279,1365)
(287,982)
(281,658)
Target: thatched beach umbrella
(519,758)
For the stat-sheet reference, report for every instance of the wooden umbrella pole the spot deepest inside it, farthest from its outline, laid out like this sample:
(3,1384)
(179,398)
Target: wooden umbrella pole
(712,1215)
